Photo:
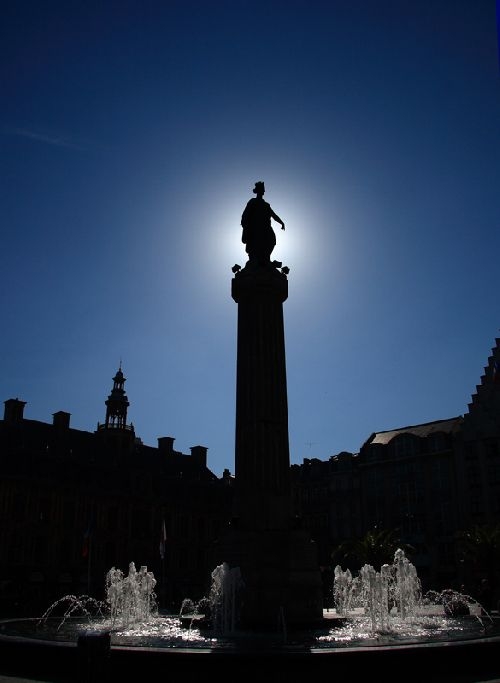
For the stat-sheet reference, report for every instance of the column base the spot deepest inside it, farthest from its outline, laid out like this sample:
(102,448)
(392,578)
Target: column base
(282,587)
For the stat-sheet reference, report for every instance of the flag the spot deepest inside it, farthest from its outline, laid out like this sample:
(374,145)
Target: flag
(86,540)
(163,540)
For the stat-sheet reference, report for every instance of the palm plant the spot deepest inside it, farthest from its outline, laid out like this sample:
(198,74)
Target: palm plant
(376,547)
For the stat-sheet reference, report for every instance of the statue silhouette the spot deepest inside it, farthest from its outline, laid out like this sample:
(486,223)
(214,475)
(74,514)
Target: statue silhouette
(258,234)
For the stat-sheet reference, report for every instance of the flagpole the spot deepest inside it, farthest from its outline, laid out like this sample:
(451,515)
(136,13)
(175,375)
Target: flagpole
(163,541)
(89,555)
(164,583)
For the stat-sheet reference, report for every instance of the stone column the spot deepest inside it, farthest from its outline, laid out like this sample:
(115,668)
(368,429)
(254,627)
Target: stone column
(276,557)
(262,460)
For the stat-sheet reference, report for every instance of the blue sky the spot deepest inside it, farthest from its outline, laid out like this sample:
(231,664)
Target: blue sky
(131,136)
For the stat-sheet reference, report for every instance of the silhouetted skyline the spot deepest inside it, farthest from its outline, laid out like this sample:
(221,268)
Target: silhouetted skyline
(131,136)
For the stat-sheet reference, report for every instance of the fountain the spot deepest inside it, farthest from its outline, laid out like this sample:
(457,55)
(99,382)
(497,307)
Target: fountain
(381,620)
(390,603)
(220,608)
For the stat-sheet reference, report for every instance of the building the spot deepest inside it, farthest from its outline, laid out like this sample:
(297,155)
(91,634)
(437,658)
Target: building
(73,504)
(430,482)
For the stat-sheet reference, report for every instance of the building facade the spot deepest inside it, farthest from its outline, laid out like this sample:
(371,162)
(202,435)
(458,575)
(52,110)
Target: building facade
(429,482)
(74,504)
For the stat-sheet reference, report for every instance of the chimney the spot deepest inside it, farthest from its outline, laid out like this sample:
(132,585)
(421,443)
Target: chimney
(61,419)
(14,409)
(166,444)
(199,453)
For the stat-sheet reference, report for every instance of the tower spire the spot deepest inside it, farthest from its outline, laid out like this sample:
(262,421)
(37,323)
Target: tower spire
(117,403)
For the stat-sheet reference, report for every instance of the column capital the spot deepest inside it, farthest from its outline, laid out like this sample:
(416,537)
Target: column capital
(259,281)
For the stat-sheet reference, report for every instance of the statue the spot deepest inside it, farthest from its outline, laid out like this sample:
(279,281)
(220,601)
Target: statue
(258,234)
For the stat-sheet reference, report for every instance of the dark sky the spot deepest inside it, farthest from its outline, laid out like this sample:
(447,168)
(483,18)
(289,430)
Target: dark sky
(131,136)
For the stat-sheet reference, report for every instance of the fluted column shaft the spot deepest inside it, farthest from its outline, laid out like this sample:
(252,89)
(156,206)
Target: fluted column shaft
(262,456)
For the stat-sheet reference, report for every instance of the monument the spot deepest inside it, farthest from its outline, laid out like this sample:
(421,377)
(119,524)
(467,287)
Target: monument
(277,558)
(274,558)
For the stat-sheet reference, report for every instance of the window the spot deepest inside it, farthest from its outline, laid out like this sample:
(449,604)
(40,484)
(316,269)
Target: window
(437,442)
(405,445)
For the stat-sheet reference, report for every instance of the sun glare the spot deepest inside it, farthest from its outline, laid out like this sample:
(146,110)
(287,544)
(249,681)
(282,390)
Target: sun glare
(214,239)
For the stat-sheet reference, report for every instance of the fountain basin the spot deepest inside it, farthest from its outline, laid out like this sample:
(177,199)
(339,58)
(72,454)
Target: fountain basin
(77,654)
(381,628)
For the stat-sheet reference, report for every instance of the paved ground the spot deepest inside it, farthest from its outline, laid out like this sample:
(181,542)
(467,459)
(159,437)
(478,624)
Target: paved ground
(10,679)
